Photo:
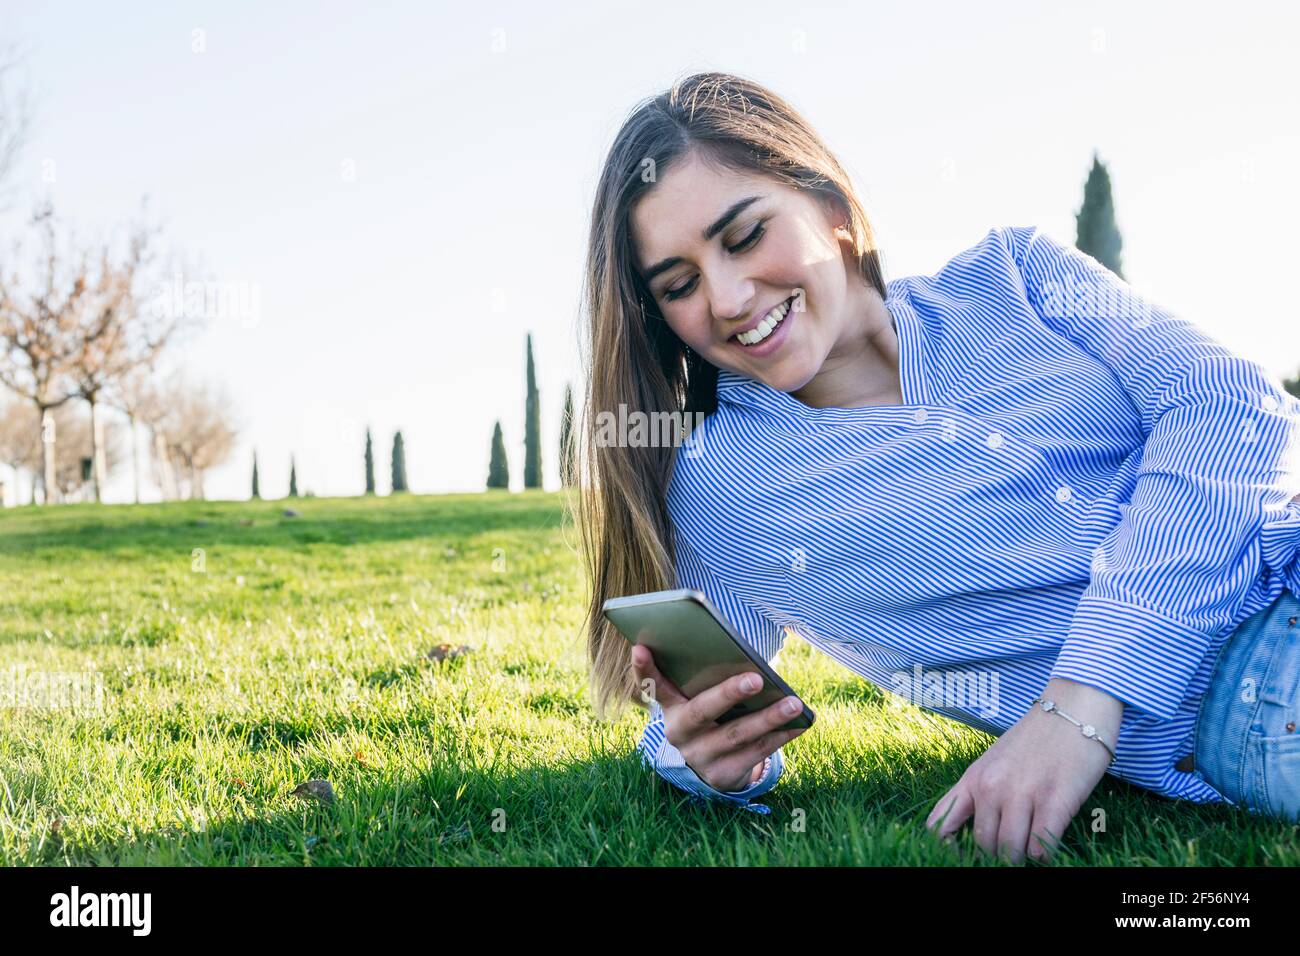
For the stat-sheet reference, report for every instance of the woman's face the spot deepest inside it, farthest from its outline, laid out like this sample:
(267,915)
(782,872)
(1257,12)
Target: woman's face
(719,249)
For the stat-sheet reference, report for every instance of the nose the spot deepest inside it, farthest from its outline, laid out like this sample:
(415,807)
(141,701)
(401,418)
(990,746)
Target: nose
(731,297)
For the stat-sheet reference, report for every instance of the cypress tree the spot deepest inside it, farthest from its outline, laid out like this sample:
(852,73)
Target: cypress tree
(370,465)
(1098,235)
(399,463)
(498,469)
(532,428)
(293,478)
(256,490)
(567,449)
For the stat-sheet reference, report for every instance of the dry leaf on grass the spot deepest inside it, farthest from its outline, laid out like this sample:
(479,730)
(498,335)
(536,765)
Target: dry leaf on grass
(445,652)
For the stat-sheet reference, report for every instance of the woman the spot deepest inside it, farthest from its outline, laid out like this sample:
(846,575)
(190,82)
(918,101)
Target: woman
(1014,475)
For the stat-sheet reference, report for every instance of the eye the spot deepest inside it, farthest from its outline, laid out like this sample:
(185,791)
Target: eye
(745,244)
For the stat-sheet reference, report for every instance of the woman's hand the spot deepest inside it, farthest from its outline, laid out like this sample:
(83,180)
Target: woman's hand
(728,757)
(1026,788)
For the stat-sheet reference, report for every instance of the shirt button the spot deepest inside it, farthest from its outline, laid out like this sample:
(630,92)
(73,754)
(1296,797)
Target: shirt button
(919,416)
(994,440)
(1269,403)
(1063,493)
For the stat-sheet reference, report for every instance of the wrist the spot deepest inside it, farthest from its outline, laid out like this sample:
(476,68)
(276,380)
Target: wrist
(1088,703)
(1096,713)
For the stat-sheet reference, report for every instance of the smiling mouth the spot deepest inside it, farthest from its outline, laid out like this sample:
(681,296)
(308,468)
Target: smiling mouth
(767,327)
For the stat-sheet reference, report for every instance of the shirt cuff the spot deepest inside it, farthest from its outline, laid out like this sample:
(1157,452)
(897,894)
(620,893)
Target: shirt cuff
(772,767)
(669,764)
(765,782)
(1145,659)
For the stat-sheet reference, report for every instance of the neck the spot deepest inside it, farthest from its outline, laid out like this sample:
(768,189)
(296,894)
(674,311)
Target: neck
(862,367)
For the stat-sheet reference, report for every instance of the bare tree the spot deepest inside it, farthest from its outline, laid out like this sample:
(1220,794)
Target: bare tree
(136,395)
(146,402)
(154,403)
(218,440)
(197,429)
(116,336)
(40,336)
(77,447)
(20,446)
(79,331)
(134,391)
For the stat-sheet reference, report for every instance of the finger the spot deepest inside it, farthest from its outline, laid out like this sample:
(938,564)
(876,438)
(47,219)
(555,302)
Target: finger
(711,703)
(737,763)
(1013,829)
(953,809)
(659,688)
(1046,833)
(988,812)
(747,740)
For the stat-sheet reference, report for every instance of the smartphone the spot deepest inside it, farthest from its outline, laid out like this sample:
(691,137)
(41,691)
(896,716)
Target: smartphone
(695,647)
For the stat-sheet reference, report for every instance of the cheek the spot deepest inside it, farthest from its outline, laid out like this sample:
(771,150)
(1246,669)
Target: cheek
(690,328)
(788,260)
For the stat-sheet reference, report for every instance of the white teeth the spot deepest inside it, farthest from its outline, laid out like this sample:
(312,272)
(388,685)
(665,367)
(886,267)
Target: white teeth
(764,328)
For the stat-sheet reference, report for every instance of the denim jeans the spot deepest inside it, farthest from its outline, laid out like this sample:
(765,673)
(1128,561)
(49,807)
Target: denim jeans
(1247,744)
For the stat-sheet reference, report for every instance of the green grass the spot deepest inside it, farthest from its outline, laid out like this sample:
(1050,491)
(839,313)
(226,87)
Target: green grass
(291,649)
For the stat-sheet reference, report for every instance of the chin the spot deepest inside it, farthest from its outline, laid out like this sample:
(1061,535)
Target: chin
(789,384)
(785,380)
(788,375)
(791,374)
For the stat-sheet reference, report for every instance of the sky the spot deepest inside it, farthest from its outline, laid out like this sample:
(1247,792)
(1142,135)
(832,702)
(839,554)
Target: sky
(401,191)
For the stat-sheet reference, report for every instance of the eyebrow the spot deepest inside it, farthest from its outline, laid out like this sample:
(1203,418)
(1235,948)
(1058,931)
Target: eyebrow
(734,210)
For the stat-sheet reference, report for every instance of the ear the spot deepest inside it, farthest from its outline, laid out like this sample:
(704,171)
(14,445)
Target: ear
(838,222)
(835,212)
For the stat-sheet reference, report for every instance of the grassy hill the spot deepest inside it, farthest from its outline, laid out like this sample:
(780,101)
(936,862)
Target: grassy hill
(170,673)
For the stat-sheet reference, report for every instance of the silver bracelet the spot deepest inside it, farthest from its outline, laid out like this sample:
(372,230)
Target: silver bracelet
(1088,730)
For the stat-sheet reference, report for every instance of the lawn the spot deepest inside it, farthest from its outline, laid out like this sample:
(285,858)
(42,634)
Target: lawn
(203,659)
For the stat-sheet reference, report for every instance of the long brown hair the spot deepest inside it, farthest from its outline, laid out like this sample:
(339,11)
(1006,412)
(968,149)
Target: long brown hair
(633,356)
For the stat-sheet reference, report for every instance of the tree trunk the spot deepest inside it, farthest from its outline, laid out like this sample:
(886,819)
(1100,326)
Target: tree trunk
(166,475)
(98,468)
(135,456)
(48,484)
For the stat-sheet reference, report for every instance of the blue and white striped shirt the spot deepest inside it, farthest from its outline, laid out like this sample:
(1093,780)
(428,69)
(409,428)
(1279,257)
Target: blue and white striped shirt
(1078,484)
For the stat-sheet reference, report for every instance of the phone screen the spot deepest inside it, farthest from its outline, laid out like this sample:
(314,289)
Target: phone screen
(695,648)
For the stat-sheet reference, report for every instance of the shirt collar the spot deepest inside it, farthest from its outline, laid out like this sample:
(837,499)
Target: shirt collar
(737,389)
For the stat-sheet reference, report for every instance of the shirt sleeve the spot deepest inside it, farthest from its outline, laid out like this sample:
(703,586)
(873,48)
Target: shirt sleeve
(767,638)
(1222,455)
